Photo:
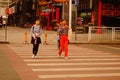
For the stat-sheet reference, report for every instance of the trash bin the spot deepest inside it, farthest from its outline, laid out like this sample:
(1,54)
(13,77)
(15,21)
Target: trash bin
(0,25)
(86,29)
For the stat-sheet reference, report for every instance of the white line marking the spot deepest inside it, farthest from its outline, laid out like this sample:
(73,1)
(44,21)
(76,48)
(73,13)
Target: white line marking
(77,69)
(80,75)
(55,60)
(109,47)
(98,56)
(67,64)
(51,54)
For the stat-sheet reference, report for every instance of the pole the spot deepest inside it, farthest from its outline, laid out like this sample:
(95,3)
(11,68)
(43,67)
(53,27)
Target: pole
(63,10)
(99,17)
(26,37)
(113,34)
(5,33)
(92,18)
(89,34)
(52,12)
(48,21)
(57,14)
(76,22)
(70,20)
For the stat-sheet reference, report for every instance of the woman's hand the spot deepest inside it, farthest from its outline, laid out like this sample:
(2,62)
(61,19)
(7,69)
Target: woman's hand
(34,36)
(66,26)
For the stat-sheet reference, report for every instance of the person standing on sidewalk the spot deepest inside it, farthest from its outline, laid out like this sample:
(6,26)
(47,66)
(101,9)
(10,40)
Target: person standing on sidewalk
(4,23)
(63,31)
(36,31)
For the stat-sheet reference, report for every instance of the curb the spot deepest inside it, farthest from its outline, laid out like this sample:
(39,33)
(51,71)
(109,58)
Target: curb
(117,43)
(4,42)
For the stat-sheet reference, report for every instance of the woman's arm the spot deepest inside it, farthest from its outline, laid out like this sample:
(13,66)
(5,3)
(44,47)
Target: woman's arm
(39,32)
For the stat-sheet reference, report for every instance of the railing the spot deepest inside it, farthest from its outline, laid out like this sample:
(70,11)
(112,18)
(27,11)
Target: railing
(106,34)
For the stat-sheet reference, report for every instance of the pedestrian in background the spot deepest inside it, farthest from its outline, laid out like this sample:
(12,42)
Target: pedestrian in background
(1,22)
(59,25)
(36,31)
(63,31)
(4,23)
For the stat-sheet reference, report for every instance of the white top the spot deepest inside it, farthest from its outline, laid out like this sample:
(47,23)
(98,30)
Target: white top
(36,30)
(4,21)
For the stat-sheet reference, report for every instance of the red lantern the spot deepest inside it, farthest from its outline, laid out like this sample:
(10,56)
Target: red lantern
(47,13)
(42,3)
(7,11)
(42,14)
(60,0)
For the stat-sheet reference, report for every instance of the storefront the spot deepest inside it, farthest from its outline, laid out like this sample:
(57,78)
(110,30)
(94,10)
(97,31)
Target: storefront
(50,13)
(85,11)
(100,12)
(111,13)
(11,14)
(22,12)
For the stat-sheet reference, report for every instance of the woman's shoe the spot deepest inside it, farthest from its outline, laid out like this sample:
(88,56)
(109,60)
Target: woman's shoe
(33,56)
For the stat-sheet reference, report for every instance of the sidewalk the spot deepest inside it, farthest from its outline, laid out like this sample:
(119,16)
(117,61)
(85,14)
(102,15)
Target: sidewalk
(7,71)
(13,68)
(82,61)
(17,35)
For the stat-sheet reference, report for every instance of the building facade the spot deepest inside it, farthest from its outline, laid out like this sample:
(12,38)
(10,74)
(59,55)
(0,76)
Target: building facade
(22,12)
(100,12)
(4,4)
(27,11)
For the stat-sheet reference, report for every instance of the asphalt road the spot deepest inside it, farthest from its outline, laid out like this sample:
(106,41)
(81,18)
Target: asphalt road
(85,62)
(111,48)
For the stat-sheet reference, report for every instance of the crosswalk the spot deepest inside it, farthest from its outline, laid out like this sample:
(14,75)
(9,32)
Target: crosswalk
(80,75)
(83,64)
(73,60)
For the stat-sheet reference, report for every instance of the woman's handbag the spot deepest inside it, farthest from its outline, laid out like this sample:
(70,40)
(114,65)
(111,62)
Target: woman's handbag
(38,40)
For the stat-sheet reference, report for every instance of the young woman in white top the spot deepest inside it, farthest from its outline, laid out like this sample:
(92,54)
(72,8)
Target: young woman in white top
(36,31)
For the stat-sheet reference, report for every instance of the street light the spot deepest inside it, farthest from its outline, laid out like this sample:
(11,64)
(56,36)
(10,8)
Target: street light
(70,16)
(70,20)
(63,10)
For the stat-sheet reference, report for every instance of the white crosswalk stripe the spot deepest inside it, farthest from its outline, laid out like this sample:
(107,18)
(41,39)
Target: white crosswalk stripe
(80,75)
(92,56)
(93,63)
(57,60)
(53,53)
(71,64)
(77,69)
